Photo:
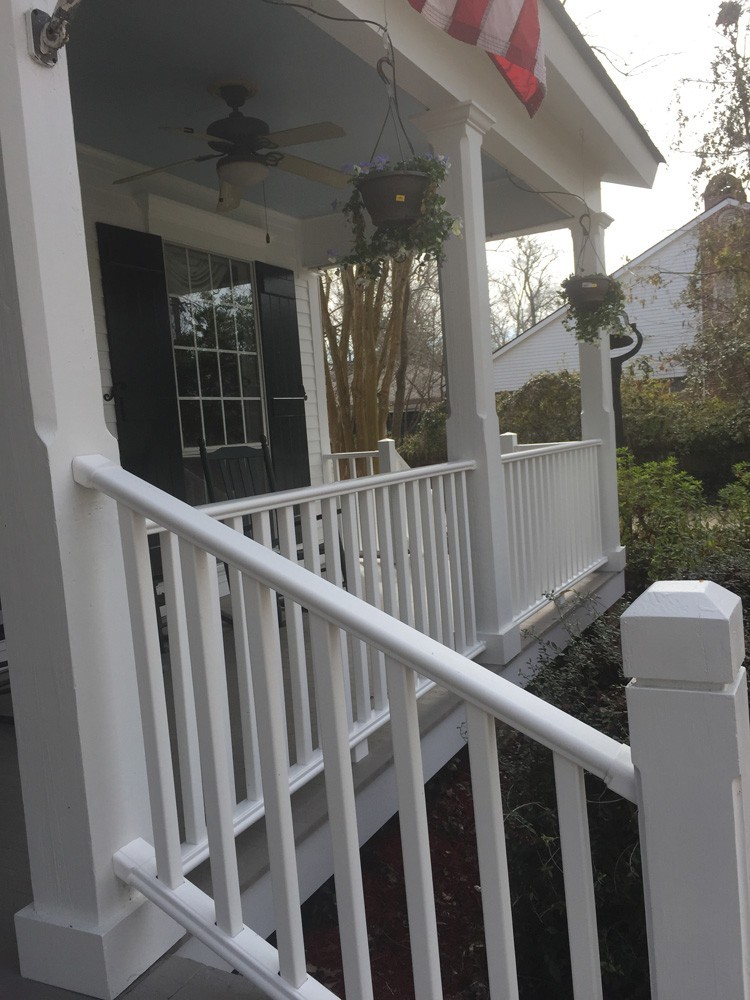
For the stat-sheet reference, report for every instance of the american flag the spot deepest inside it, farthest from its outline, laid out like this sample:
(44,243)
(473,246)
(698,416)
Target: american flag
(508,30)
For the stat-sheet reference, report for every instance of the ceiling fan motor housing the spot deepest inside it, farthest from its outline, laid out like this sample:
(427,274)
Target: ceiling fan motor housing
(238,132)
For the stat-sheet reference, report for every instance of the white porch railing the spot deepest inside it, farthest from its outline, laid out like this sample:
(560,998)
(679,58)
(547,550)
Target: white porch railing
(554,519)
(398,541)
(257,574)
(341,465)
(682,643)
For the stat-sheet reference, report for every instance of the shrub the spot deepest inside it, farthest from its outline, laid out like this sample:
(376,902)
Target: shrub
(585,680)
(547,408)
(663,521)
(427,445)
(706,434)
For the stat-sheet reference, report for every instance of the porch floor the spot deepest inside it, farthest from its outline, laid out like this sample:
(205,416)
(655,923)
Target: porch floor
(174,978)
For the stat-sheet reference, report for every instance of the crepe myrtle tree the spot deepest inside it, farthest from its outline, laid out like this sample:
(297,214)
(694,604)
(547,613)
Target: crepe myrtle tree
(366,297)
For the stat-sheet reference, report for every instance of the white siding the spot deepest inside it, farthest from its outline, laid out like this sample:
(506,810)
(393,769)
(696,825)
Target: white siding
(183,212)
(653,284)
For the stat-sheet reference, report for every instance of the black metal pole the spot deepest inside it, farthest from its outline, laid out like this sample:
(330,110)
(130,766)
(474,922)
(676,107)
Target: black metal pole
(616,364)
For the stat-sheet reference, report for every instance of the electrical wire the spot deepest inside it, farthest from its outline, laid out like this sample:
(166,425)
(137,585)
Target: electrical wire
(327,17)
(394,111)
(584,220)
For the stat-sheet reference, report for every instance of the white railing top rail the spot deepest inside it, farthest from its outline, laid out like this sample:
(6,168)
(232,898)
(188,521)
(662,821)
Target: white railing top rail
(308,494)
(544,723)
(334,455)
(523,450)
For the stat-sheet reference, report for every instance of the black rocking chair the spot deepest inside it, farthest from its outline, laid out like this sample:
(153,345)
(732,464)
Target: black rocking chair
(236,471)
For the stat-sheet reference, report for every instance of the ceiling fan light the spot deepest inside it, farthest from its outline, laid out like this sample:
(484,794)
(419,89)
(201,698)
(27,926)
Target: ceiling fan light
(240,171)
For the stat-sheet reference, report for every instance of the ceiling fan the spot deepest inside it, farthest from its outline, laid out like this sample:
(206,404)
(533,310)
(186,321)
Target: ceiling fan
(244,148)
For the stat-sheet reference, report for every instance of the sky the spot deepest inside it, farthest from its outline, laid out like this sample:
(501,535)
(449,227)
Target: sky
(659,43)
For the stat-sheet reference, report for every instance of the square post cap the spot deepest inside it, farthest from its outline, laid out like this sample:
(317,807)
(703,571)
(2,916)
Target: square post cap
(686,631)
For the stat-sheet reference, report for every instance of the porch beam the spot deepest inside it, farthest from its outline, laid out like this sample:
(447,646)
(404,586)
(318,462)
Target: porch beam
(61,569)
(457,131)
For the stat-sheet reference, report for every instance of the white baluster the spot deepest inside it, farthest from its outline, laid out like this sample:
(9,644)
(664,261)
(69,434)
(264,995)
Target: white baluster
(211,702)
(330,673)
(415,843)
(186,728)
(244,678)
(492,855)
(297,656)
(578,876)
(265,656)
(161,790)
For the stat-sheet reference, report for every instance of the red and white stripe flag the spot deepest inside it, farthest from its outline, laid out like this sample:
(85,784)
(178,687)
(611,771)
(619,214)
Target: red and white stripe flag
(508,30)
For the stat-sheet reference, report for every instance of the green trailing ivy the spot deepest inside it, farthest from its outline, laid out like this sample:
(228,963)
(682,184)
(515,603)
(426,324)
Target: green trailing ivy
(422,240)
(587,323)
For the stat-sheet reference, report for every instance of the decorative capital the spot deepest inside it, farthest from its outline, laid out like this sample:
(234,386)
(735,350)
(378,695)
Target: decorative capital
(465,113)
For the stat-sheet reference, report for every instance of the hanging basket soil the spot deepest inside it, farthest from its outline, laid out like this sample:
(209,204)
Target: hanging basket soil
(393,198)
(586,292)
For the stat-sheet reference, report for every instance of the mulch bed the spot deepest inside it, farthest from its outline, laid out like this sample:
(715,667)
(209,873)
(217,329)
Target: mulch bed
(458,900)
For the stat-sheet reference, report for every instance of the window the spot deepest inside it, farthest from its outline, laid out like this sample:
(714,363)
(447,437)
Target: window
(215,345)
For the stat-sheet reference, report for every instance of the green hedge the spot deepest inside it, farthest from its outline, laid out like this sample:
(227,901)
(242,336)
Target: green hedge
(707,435)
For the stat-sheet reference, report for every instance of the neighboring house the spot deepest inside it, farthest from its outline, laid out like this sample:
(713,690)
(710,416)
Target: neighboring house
(654,285)
(136,310)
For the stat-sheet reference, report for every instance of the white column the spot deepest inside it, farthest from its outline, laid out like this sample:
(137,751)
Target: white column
(597,412)
(457,132)
(61,571)
(690,738)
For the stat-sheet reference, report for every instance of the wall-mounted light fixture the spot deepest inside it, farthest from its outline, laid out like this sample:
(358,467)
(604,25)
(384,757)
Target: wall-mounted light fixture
(47,33)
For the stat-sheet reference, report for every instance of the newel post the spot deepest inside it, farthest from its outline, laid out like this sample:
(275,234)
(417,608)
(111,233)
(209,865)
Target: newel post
(687,704)
(388,457)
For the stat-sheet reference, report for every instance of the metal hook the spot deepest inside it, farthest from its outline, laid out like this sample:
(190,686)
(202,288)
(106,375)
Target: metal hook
(389,82)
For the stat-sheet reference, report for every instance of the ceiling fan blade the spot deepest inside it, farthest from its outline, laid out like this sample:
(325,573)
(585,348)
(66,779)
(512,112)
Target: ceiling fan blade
(192,133)
(230,197)
(313,171)
(305,133)
(167,166)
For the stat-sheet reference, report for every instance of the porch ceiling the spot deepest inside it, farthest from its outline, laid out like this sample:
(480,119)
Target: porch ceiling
(136,66)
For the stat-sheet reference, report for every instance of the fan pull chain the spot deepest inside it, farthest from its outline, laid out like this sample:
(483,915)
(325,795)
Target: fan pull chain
(265,210)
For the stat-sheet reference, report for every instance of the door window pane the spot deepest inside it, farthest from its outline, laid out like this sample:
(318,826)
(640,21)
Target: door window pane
(244,306)
(233,421)
(187,372)
(250,374)
(202,298)
(221,281)
(213,421)
(190,420)
(208,366)
(253,420)
(230,376)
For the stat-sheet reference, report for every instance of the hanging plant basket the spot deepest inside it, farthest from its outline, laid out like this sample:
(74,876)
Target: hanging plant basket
(409,215)
(393,198)
(596,306)
(587,292)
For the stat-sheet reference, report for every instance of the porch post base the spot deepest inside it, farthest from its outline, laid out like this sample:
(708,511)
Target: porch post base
(616,560)
(500,647)
(96,962)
